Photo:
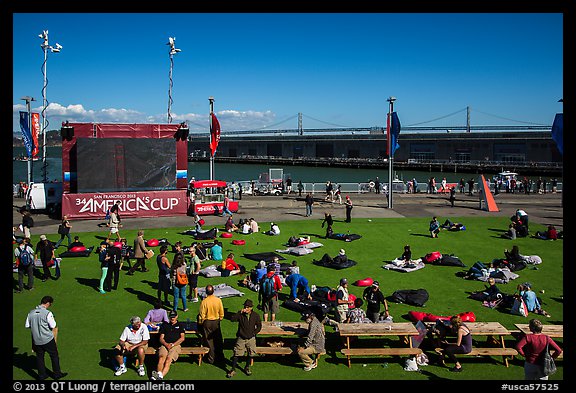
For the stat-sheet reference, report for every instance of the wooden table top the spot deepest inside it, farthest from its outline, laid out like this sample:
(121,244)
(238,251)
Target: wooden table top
(555,331)
(281,328)
(378,329)
(487,329)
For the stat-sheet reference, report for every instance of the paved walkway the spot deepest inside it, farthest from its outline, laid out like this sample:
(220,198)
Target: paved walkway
(543,209)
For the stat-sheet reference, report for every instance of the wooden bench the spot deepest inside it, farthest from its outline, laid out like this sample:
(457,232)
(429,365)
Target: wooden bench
(379,352)
(487,352)
(198,351)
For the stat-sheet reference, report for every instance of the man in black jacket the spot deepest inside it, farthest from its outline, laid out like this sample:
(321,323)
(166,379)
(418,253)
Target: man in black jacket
(249,325)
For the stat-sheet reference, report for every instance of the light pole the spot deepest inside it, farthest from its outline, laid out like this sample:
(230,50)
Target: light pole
(56,49)
(29,99)
(389,142)
(173,51)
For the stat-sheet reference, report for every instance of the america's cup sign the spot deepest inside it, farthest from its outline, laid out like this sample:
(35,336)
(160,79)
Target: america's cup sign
(132,204)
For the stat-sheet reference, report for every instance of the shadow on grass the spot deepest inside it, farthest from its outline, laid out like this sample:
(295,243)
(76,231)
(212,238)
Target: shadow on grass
(420,234)
(24,362)
(142,296)
(89,282)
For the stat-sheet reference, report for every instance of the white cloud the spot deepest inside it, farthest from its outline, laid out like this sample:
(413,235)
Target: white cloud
(76,113)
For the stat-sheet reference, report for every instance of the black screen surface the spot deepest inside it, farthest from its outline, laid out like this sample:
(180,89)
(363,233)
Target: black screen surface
(125,164)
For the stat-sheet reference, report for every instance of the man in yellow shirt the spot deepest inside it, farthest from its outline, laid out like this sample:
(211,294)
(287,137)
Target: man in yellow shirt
(209,317)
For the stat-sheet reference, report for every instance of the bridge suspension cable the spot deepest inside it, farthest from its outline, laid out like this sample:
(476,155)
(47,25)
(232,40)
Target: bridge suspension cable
(505,118)
(274,125)
(438,118)
(325,122)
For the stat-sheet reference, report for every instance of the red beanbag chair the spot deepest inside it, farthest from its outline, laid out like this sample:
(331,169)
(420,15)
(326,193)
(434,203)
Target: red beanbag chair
(78,248)
(226,234)
(432,257)
(152,243)
(433,318)
(365,282)
(467,316)
(416,316)
(239,242)
(303,242)
(201,221)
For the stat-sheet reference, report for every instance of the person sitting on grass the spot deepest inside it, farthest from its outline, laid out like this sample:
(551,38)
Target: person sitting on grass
(511,232)
(549,234)
(406,256)
(229,267)
(532,302)
(434,227)
(274,230)
(230,226)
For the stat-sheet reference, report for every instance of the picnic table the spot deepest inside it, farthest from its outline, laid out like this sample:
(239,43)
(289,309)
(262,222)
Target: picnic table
(554,331)
(280,329)
(403,330)
(495,333)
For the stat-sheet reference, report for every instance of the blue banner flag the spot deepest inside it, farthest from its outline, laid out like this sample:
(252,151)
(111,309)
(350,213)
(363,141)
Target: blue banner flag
(394,133)
(26,134)
(558,132)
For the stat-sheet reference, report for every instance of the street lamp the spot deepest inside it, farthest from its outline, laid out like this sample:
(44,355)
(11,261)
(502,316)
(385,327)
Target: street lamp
(173,51)
(29,99)
(56,49)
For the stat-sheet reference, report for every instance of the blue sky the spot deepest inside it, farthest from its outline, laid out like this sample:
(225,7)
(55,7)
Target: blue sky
(337,69)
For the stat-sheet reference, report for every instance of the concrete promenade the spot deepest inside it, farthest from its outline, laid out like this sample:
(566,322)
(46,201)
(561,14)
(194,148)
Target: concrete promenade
(543,209)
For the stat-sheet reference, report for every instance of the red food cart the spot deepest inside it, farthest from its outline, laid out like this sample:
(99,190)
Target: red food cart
(206,197)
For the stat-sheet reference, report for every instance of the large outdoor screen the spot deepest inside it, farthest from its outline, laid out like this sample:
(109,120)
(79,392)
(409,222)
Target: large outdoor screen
(125,164)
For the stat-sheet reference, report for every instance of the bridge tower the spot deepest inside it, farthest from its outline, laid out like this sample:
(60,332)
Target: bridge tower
(300,132)
(467,119)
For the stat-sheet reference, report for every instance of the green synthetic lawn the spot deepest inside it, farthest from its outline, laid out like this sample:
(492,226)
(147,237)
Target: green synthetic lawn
(90,323)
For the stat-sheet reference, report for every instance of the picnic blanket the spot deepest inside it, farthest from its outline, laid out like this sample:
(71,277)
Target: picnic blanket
(405,267)
(221,291)
(210,271)
(337,266)
(264,256)
(296,251)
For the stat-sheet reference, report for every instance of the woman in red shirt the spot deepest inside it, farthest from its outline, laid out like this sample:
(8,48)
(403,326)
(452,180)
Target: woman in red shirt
(531,347)
(229,267)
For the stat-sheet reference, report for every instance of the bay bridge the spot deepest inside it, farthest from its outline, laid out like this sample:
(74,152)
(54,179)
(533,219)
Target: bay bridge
(417,127)
(526,146)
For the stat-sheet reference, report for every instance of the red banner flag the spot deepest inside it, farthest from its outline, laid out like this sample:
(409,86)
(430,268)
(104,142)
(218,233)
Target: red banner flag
(35,133)
(214,134)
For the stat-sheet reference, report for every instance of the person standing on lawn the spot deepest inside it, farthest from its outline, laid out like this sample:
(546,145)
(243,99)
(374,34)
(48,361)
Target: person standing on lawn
(43,327)
(249,325)
(374,298)
(209,317)
(140,252)
(531,346)
(349,207)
